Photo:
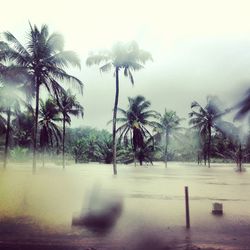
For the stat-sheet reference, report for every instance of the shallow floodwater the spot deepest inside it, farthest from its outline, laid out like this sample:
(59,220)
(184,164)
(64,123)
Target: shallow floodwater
(36,210)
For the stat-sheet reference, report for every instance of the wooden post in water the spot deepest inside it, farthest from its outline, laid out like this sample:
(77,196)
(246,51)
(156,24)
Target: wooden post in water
(187,208)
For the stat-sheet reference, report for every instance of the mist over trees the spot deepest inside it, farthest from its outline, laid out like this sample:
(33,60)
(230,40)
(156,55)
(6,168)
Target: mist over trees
(32,126)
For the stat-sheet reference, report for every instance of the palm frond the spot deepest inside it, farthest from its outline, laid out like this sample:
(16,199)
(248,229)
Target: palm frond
(106,67)
(97,59)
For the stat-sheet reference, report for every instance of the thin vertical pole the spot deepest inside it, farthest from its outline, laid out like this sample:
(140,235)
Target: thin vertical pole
(187,208)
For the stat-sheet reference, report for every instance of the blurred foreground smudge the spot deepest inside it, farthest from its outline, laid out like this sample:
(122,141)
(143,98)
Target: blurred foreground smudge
(103,211)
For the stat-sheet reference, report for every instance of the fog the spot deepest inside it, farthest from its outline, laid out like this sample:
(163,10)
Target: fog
(199,48)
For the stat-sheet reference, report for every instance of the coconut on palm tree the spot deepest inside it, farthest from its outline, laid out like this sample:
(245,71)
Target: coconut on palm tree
(166,127)
(68,106)
(44,61)
(123,56)
(136,121)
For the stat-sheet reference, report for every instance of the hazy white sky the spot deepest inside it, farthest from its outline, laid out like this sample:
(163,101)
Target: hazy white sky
(199,47)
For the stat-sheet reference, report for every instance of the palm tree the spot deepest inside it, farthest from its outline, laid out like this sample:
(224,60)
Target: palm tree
(135,122)
(204,119)
(43,59)
(8,105)
(104,148)
(146,153)
(22,127)
(68,105)
(127,57)
(49,130)
(166,127)
(231,143)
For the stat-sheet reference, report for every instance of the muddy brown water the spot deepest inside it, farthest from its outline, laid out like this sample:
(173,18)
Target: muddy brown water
(36,210)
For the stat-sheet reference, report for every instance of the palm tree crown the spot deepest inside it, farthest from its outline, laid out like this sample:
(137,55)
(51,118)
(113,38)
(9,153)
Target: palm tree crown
(136,121)
(126,56)
(204,119)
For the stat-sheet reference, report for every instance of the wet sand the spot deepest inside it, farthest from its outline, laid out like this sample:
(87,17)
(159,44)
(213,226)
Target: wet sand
(36,210)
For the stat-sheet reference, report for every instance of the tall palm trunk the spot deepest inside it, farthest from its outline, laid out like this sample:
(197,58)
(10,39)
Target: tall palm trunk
(114,118)
(209,146)
(240,158)
(43,156)
(63,142)
(135,158)
(7,139)
(35,127)
(166,150)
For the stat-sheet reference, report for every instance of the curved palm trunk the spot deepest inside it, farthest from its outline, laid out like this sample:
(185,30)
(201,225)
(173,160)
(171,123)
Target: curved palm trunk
(7,140)
(114,119)
(35,127)
(209,146)
(63,142)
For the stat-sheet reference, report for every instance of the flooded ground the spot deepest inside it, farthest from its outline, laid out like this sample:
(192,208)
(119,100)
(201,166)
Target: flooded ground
(36,210)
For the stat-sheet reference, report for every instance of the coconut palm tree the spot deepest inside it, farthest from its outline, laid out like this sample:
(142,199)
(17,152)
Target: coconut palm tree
(166,127)
(127,57)
(22,128)
(49,130)
(104,148)
(231,143)
(68,105)
(204,119)
(146,153)
(44,61)
(136,121)
(8,106)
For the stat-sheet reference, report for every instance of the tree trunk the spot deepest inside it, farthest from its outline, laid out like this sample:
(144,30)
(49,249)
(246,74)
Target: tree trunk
(140,160)
(114,119)
(6,147)
(43,156)
(209,146)
(63,142)
(166,150)
(135,158)
(35,127)
(240,158)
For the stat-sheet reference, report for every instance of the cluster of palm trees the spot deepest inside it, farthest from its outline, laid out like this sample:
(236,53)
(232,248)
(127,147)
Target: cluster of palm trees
(141,132)
(41,62)
(145,129)
(53,111)
(208,120)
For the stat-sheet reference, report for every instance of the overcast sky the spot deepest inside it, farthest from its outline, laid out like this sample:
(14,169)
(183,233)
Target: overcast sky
(199,48)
